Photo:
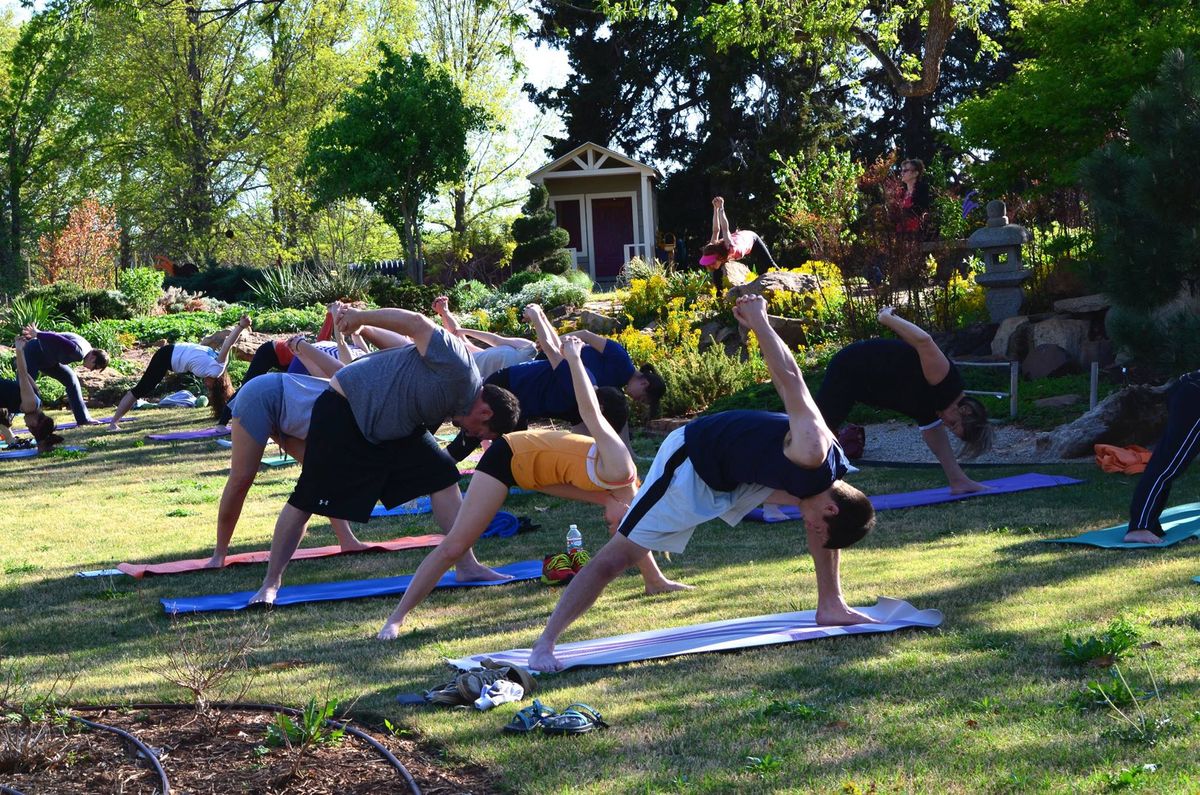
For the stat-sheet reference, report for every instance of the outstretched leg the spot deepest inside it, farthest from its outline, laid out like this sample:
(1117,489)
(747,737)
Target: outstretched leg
(243,468)
(289,530)
(485,496)
(1173,454)
(616,556)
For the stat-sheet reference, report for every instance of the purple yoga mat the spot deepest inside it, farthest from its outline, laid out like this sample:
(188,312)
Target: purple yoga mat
(914,499)
(183,436)
(63,426)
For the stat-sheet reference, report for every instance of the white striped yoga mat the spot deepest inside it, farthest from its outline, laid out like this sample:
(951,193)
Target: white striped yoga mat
(736,633)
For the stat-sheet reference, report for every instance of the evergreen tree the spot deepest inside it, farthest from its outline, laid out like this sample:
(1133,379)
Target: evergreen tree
(541,243)
(1145,197)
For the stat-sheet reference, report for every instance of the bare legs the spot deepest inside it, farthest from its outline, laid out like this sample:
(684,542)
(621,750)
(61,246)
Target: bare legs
(938,441)
(289,530)
(484,497)
(447,505)
(243,468)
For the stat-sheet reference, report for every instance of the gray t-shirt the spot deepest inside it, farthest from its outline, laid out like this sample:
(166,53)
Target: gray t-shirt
(277,404)
(396,391)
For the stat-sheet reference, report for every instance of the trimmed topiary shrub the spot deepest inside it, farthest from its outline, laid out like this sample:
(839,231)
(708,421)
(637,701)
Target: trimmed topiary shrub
(541,244)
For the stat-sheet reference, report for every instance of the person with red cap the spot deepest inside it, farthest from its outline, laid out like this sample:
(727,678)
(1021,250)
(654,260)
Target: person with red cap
(724,245)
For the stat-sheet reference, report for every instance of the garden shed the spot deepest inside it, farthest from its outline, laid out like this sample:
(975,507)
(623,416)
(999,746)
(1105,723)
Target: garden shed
(606,202)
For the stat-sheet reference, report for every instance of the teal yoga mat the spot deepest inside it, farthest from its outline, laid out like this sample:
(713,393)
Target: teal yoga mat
(1179,523)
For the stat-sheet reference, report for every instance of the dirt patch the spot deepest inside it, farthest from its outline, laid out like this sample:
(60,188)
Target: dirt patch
(229,753)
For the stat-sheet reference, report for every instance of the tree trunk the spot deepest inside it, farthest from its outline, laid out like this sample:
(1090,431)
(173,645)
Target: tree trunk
(14,216)
(198,204)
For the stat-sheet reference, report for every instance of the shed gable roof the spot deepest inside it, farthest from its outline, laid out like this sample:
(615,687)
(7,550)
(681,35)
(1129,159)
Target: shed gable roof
(589,159)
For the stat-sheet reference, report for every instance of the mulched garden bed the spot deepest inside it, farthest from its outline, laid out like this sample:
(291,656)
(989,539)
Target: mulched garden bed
(227,752)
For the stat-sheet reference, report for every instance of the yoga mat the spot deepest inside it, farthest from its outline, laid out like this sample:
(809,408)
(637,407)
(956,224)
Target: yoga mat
(240,558)
(422,505)
(281,460)
(100,573)
(1179,523)
(30,452)
(345,589)
(183,436)
(735,633)
(913,499)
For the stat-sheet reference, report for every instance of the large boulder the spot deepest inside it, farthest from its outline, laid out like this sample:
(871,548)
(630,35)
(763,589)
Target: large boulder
(1134,415)
(776,281)
(598,323)
(1064,332)
(1083,305)
(1047,361)
(790,330)
(1011,341)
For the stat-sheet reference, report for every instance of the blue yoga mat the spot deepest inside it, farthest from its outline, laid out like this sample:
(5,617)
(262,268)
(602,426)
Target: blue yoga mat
(1179,523)
(345,589)
(29,452)
(422,505)
(914,499)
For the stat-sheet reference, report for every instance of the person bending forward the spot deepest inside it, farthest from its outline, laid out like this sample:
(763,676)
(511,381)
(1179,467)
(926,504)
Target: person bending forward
(723,465)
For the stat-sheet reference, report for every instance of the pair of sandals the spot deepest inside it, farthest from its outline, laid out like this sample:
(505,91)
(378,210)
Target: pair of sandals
(575,719)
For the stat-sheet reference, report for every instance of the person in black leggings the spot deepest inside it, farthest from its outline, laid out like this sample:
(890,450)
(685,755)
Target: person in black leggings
(1172,456)
(21,396)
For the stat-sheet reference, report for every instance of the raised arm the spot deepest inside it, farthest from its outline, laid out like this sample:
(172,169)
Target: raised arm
(29,397)
(585,391)
(810,438)
(547,337)
(318,364)
(398,321)
(722,222)
(934,364)
(717,202)
(382,338)
(232,337)
(345,355)
(590,338)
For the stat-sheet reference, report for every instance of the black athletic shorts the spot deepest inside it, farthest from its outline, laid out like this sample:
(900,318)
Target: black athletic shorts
(344,474)
(497,462)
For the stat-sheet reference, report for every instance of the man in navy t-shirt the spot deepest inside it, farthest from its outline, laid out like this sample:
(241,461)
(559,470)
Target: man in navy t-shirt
(722,466)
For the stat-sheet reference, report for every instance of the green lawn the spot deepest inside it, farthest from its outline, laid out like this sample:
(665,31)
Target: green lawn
(982,704)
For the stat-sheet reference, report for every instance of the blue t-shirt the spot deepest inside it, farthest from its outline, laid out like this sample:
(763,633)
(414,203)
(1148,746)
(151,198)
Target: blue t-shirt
(732,448)
(611,366)
(543,391)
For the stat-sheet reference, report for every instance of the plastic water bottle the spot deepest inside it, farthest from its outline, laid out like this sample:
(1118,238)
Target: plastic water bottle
(574,539)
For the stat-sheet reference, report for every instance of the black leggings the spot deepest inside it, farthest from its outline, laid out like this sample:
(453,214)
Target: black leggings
(1172,455)
(265,360)
(156,371)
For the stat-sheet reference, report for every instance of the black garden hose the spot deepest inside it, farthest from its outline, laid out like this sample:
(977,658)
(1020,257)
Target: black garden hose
(142,748)
(413,787)
(9,791)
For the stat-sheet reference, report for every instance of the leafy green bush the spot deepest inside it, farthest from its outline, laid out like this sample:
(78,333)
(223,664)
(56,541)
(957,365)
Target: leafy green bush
(515,283)
(469,294)
(188,327)
(638,268)
(283,321)
(141,288)
(1120,637)
(78,306)
(696,379)
(291,287)
(102,336)
(23,312)
(402,293)
(550,292)
(578,277)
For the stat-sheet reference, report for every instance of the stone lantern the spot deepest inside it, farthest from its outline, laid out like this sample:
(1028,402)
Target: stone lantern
(999,243)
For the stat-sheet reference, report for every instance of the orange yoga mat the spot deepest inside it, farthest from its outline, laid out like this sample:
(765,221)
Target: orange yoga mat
(240,558)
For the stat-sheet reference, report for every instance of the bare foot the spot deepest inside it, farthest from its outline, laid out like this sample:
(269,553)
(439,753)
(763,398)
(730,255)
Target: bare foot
(354,546)
(666,586)
(541,658)
(112,426)
(477,572)
(265,596)
(1141,537)
(215,562)
(967,487)
(390,631)
(842,616)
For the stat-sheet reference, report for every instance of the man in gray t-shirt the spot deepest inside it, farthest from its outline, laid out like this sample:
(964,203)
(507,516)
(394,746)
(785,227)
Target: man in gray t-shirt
(370,437)
(395,391)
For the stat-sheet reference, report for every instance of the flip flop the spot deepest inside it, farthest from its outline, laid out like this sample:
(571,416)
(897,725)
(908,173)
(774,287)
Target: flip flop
(575,719)
(529,719)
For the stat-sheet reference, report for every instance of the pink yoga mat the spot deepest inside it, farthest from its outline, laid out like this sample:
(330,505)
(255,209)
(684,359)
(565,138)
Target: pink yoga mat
(183,566)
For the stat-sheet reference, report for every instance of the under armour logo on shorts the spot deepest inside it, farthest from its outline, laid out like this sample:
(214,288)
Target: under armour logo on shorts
(322,502)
